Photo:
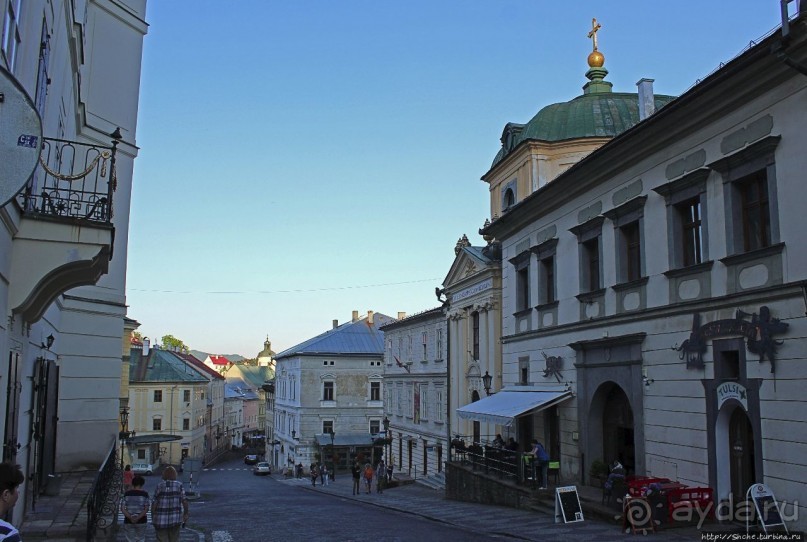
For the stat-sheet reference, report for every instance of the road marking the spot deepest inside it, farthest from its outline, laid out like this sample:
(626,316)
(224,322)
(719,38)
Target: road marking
(221,536)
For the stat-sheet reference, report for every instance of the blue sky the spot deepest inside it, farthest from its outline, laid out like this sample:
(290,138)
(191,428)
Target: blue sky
(301,160)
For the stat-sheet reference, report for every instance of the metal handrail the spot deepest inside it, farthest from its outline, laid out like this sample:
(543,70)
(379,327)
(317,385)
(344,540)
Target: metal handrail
(102,502)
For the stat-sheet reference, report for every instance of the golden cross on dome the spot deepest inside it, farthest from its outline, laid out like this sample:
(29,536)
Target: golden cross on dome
(595,26)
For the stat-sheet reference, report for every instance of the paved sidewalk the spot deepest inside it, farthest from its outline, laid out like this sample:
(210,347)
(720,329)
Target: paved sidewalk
(493,520)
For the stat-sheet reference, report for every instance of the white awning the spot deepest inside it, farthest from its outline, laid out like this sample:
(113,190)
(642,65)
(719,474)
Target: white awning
(503,407)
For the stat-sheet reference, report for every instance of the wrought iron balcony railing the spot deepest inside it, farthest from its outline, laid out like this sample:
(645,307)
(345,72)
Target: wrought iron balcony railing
(73,180)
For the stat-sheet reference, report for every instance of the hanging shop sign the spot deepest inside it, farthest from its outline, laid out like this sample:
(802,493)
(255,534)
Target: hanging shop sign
(758,330)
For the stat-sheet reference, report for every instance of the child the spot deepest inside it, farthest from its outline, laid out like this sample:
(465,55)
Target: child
(135,507)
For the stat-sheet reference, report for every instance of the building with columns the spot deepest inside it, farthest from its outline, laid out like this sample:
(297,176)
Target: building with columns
(472,290)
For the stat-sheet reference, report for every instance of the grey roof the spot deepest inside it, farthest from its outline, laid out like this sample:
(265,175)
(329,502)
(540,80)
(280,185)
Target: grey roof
(351,338)
(161,366)
(235,387)
(478,252)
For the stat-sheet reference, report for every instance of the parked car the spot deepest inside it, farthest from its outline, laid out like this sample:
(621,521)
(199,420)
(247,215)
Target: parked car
(262,469)
(250,459)
(143,468)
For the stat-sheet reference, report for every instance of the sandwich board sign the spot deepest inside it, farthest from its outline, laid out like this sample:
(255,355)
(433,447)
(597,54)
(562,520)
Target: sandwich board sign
(567,505)
(20,136)
(767,509)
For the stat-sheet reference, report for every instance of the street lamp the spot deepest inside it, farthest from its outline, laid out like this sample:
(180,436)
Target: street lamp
(387,438)
(333,456)
(124,434)
(487,382)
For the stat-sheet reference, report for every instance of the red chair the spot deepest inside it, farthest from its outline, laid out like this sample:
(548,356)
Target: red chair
(637,485)
(691,499)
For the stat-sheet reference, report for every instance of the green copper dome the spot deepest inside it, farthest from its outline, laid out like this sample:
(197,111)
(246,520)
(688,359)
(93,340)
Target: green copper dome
(598,112)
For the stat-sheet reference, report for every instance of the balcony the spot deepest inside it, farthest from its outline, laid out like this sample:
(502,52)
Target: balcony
(64,237)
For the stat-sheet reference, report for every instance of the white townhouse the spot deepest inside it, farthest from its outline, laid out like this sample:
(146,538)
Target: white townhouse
(416,393)
(328,394)
(70,80)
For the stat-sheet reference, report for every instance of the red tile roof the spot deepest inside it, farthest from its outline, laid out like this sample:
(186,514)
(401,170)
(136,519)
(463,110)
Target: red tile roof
(219,360)
(200,366)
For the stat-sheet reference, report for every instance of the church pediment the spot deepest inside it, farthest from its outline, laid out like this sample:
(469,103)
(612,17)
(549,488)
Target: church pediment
(468,263)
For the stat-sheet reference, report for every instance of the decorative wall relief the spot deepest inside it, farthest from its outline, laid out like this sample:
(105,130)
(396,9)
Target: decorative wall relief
(758,332)
(554,365)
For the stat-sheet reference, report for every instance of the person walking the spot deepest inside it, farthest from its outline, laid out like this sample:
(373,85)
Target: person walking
(128,476)
(368,477)
(10,479)
(380,477)
(135,507)
(323,475)
(169,509)
(356,471)
(314,474)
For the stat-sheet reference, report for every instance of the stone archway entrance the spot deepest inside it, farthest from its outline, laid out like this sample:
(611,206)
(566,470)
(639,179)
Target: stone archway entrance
(611,412)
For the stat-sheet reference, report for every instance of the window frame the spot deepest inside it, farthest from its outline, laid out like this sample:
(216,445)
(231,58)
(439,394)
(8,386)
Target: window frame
(157,396)
(10,39)
(589,235)
(156,424)
(679,195)
(738,168)
(628,220)
(546,254)
(521,266)
(475,335)
(375,391)
(328,389)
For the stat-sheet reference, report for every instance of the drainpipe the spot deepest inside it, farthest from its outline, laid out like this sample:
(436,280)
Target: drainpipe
(448,378)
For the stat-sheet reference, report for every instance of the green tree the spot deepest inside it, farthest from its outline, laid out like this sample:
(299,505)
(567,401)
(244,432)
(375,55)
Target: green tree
(169,341)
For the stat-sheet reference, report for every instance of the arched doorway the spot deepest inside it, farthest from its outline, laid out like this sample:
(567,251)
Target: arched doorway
(617,427)
(741,446)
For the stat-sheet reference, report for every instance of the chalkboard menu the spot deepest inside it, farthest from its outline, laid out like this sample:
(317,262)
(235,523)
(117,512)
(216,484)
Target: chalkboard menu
(567,505)
(766,506)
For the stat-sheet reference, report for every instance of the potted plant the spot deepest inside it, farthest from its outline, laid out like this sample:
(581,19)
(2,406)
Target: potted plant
(598,471)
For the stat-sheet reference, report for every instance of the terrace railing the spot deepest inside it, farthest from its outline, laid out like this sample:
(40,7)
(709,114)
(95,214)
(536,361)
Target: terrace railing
(73,180)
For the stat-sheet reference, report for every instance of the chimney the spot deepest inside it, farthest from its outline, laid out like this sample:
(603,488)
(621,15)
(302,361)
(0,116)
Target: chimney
(401,315)
(146,345)
(355,316)
(647,102)
(335,324)
(370,317)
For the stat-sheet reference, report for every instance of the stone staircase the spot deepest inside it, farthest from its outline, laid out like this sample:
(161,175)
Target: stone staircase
(435,481)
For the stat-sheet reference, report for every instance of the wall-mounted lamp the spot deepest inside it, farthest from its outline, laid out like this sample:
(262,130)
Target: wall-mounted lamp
(647,381)
(487,382)
(49,340)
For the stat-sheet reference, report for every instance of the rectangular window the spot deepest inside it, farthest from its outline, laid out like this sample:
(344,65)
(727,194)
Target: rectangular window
(375,427)
(425,337)
(633,251)
(156,424)
(524,371)
(439,353)
(11,33)
(327,391)
(186,424)
(141,453)
(438,405)
(327,426)
(158,396)
(475,335)
(424,395)
(548,280)
(756,217)
(689,213)
(375,391)
(523,288)
(591,264)
(186,396)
